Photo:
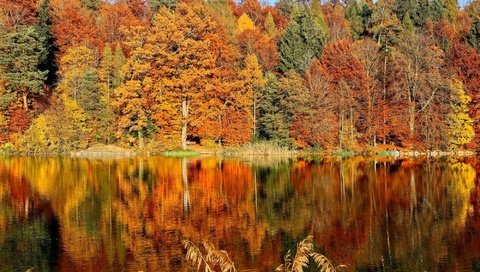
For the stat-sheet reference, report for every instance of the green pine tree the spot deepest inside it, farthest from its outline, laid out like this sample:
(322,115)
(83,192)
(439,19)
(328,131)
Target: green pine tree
(155,5)
(303,40)
(358,14)
(473,37)
(90,4)
(44,28)
(273,123)
(119,60)
(270,26)
(293,50)
(100,116)
(22,51)
(450,9)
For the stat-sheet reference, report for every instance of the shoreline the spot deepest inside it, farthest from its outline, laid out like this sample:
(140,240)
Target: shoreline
(130,153)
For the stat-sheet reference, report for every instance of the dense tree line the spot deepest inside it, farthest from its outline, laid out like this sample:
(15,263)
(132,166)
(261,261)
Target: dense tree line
(154,73)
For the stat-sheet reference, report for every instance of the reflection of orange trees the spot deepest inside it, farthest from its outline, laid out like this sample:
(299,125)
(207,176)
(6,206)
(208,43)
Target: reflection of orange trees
(466,247)
(225,194)
(63,181)
(129,206)
(131,214)
(5,208)
(16,196)
(69,185)
(216,202)
(332,205)
(146,202)
(357,209)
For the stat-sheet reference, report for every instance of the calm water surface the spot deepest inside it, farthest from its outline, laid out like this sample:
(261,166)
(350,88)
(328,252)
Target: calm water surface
(63,214)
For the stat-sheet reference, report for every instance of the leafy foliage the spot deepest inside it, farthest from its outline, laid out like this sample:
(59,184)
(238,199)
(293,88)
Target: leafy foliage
(302,74)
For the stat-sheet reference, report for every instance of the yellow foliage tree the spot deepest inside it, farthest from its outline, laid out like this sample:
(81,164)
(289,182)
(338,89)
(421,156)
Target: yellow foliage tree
(62,128)
(80,81)
(253,82)
(129,101)
(73,66)
(38,137)
(244,23)
(461,130)
(131,117)
(181,66)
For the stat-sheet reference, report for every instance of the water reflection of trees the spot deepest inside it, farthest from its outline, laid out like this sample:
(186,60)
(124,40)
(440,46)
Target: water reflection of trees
(384,215)
(130,214)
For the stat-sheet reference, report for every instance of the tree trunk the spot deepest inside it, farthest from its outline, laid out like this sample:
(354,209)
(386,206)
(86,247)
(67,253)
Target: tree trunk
(411,113)
(186,192)
(340,135)
(384,98)
(184,122)
(370,129)
(140,139)
(220,120)
(25,102)
(254,118)
(351,126)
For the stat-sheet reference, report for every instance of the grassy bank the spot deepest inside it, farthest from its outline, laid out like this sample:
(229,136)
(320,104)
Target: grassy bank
(258,148)
(250,149)
(180,153)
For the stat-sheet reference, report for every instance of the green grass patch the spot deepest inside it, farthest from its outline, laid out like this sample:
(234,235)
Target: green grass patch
(6,149)
(344,153)
(181,153)
(382,153)
(259,148)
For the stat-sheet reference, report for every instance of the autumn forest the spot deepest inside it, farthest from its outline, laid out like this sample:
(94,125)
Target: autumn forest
(300,74)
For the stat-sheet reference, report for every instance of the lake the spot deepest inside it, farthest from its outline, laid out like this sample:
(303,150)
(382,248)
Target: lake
(131,214)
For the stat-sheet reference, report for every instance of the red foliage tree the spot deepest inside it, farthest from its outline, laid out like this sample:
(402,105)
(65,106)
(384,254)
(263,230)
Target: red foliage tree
(255,42)
(253,9)
(19,118)
(18,12)
(72,25)
(112,17)
(306,130)
(348,81)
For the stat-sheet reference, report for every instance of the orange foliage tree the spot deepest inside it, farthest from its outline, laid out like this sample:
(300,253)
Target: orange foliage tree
(112,17)
(255,42)
(346,74)
(18,12)
(191,78)
(319,105)
(72,25)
